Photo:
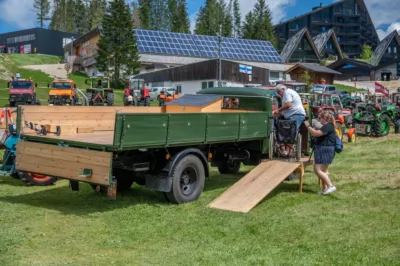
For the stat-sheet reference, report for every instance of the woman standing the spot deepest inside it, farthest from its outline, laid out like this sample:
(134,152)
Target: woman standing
(324,149)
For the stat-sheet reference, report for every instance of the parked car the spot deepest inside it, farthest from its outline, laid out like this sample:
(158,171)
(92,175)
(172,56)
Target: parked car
(341,93)
(155,92)
(323,88)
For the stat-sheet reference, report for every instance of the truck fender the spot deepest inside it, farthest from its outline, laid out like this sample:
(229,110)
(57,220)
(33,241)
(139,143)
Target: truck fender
(185,152)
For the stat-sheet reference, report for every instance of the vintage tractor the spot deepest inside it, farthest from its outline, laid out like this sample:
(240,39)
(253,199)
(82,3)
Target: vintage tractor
(143,99)
(322,101)
(100,95)
(131,89)
(63,92)
(375,120)
(8,142)
(22,91)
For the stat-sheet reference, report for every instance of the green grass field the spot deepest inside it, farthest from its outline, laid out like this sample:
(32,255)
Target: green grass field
(34,59)
(358,225)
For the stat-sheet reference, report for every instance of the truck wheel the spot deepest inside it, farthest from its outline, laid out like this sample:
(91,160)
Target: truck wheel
(110,99)
(397,127)
(229,168)
(33,179)
(188,178)
(382,126)
(147,101)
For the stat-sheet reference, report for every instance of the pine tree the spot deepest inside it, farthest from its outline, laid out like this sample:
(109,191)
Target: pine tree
(42,8)
(248,26)
(236,19)
(227,26)
(97,9)
(258,24)
(136,16)
(159,18)
(184,18)
(117,49)
(201,23)
(81,18)
(145,13)
(210,18)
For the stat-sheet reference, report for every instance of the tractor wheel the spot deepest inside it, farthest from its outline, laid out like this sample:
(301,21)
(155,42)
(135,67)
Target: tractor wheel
(89,97)
(110,99)
(382,126)
(229,169)
(353,138)
(188,178)
(147,101)
(339,130)
(161,102)
(397,127)
(347,102)
(32,179)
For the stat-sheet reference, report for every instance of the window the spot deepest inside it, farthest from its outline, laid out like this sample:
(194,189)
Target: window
(204,85)
(25,38)
(179,88)
(323,29)
(211,84)
(273,75)
(395,50)
(389,50)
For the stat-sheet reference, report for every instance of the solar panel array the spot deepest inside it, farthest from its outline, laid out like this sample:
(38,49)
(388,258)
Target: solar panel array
(170,43)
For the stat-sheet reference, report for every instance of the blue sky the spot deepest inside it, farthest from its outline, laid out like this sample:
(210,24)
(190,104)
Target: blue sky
(18,14)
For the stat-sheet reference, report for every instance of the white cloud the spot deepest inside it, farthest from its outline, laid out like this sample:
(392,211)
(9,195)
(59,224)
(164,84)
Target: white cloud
(18,13)
(383,33)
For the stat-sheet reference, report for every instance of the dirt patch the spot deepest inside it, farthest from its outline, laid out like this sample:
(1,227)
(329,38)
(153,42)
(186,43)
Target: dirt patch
(53,70)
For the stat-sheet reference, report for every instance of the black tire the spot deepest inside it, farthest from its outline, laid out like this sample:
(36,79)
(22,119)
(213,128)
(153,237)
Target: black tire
(161,102)
(32,179)
(124,179)
(376,127)
(12,104)
(229,169)
(110,99)
(188,177)
(89,97)
(397,127)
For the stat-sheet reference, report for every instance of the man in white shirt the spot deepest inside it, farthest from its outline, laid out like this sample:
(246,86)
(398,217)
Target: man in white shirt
(292,107)
(18,76)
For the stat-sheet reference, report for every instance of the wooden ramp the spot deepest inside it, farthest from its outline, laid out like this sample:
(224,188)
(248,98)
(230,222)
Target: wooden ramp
(256,185)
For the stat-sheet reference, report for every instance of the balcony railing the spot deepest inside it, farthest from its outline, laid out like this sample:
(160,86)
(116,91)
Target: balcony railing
(344,11)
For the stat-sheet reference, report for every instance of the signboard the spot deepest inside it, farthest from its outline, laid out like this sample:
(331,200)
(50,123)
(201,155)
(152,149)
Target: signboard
(27,48)
(245,69)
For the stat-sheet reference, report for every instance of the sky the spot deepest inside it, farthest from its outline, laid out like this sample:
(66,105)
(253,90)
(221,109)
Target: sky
(18,14)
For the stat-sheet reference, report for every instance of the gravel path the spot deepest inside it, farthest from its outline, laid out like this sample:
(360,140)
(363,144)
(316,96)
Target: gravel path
(54,70)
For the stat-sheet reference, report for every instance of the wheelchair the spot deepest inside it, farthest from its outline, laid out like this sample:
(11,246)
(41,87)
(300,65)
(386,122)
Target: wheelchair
(285,138)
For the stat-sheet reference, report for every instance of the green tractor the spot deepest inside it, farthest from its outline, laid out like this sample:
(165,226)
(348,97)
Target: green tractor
(374,119)
(100,95)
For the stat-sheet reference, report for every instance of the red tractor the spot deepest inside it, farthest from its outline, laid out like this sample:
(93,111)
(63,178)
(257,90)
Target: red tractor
(136,93)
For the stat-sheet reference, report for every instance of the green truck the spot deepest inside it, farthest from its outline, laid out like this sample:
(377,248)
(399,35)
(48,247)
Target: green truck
(167,149)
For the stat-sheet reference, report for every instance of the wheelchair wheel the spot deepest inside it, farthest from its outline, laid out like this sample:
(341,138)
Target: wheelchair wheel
(298,147)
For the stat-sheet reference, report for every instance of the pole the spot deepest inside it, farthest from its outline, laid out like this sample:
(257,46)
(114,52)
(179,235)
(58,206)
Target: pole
(219,56)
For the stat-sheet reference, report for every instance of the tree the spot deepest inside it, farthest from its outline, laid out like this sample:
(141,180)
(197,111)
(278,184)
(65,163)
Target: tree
(226,14)
(178,16)
(144,14)
(96,11)
(248,26)
(258,25)
(183,14)
(136,16)
(211,17)
(117,50)
(306,78)
(159,17)
(236,19)
(81,18)
(42,8)
(367,53)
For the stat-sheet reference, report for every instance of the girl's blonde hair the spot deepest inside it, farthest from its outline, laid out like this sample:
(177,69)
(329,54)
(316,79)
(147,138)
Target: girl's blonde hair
(327,116)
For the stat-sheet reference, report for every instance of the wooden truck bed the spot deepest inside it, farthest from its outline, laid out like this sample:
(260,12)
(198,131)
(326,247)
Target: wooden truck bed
(127,128)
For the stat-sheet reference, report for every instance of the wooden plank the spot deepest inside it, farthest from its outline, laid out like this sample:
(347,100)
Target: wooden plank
(84,130)
(65,129)
(98,125)
(64,162)
(69,116)
(97,137)
(139,110)
(253,187)
(214,107)
(70,109)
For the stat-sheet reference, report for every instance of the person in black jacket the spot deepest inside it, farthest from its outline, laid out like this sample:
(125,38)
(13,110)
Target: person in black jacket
(324,149)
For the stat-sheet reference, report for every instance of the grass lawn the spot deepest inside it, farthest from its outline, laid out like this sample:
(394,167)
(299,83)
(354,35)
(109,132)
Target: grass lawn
(34,59)
(358,225)
(349,89)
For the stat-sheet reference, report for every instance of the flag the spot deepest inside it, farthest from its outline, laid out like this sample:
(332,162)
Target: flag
(379,88)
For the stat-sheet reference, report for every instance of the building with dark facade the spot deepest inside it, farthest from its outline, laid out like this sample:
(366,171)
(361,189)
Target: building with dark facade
(349,19)
(36,40)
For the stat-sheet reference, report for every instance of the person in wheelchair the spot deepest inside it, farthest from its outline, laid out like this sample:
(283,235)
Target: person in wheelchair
(292,107)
